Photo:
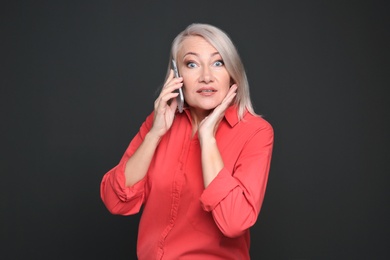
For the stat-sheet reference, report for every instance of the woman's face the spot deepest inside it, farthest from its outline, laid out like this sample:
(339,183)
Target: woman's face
(206,80)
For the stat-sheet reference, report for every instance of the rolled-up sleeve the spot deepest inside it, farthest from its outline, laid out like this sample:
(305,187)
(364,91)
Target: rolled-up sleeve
(235,196)
(118,198)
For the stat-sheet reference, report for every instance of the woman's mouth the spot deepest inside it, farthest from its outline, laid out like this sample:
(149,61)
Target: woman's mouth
(206,90)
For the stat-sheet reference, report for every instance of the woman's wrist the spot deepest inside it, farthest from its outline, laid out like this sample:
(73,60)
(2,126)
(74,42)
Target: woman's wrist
(207,140)
(152,137)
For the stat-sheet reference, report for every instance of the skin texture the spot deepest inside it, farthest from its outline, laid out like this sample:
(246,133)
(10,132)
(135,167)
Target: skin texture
(208,92)
(202,68)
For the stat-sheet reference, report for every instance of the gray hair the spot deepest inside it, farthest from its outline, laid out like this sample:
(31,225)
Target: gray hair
(223,44)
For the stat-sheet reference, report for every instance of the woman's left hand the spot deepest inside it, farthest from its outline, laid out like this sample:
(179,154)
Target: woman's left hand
(209,125)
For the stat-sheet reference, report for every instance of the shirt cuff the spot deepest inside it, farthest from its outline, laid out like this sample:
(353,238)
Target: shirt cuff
(218,189)
(127,193)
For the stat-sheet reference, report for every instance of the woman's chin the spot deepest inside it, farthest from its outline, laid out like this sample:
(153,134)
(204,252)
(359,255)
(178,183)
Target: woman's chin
(208,108)
(204,105)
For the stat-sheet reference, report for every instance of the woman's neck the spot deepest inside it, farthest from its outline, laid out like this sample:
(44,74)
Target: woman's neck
(197,116)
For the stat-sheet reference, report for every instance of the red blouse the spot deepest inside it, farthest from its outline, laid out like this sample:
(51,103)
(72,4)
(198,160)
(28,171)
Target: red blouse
(181,219)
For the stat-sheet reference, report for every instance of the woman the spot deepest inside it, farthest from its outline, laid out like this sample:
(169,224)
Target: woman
(200,175)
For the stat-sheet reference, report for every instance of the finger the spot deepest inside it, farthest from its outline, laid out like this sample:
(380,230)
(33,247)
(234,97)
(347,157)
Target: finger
(225,103)
(171,74)
(232,92)
(166,97)
(219,111)
(162,101)
(173,104)
(229,97)
(171,87)
(171,79)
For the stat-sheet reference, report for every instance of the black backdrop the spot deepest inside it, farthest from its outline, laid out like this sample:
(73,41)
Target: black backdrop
(78,78)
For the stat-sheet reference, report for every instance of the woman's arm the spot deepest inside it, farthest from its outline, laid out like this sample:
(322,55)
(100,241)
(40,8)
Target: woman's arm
(235,195)
(212,162)
(138,164)
(122,188)
(118,198)
(164,113)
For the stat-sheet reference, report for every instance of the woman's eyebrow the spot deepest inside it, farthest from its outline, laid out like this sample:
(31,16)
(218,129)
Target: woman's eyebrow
(196,54)
(190,53)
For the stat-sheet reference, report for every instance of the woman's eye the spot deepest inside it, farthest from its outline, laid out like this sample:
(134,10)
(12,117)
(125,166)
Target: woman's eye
(219,63)
(191,65)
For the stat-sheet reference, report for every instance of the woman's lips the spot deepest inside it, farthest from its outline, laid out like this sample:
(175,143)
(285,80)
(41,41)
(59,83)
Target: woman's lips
(206,90)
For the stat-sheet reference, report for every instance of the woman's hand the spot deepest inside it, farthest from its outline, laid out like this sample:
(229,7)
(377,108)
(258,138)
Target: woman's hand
(212,162)
(209,125)
(164,112)
(138,164)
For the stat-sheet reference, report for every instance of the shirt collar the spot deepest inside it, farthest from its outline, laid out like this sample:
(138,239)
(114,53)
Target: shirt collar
(231,115)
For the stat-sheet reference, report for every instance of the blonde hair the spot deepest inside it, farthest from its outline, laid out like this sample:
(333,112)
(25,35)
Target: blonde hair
(222,43)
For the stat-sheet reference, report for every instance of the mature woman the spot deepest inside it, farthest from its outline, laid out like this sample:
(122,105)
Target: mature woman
(200,175)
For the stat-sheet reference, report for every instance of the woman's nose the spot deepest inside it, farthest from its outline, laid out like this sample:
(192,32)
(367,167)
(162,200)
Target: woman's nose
(206,75)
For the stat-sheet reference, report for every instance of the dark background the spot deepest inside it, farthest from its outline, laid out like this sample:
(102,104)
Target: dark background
(79,77)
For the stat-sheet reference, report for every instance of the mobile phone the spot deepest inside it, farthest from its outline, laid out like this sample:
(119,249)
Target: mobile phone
(180,97)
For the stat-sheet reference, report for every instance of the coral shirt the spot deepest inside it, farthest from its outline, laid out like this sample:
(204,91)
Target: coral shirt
(181,219)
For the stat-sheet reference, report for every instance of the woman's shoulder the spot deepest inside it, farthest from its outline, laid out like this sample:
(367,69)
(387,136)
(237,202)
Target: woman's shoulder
(257,121)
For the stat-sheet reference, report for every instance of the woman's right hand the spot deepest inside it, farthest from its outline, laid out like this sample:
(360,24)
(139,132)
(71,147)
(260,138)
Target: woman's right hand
(164,113)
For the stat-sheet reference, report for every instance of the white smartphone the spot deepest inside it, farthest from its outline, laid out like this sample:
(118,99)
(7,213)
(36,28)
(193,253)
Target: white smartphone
(180,97)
